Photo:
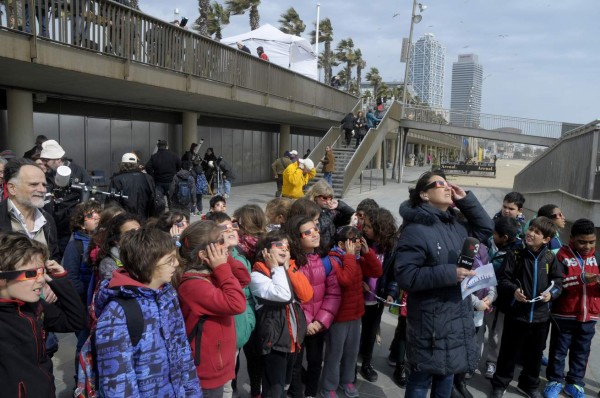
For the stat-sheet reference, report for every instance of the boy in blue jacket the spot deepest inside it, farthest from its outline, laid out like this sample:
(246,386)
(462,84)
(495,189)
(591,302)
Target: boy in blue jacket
(528,280)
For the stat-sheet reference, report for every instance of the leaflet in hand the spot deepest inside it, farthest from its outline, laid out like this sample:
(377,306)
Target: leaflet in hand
(484,277)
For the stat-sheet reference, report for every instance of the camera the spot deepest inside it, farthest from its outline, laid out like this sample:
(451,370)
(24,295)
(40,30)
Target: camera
(183,22)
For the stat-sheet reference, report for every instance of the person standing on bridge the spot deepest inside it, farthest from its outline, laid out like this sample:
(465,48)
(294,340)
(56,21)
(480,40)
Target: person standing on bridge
(242,47)
(296,176)
(261,54)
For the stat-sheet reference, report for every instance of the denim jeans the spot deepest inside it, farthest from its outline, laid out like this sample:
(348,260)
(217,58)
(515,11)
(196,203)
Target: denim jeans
(328,177)
(419,383)
(39,13)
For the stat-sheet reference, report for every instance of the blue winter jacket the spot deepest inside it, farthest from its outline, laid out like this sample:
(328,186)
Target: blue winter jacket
(74,262)
(440,331)
(161,364)
(372,120)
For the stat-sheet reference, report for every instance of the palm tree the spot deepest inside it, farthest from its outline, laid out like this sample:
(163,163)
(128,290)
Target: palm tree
(327,58)
(217,17)
(345,53)
(291,23)
(374,78)
(239,7)
(360,65)
(135,4)
(383,92)
(367,94)
(201,24)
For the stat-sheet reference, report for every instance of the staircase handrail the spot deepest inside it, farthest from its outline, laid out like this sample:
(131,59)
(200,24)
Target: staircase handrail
(371,143)
(329,139)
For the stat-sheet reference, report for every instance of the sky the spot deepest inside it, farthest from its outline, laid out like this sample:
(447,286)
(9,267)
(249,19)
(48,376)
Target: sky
(541,58)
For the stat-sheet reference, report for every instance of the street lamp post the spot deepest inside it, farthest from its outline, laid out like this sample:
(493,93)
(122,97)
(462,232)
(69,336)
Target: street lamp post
(415,18)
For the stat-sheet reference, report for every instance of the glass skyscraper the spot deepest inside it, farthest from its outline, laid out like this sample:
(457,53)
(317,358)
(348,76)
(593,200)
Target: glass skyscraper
(426,70)
(465,100)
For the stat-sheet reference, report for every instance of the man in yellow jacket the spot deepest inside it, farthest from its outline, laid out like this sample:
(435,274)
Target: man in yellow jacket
(296,176)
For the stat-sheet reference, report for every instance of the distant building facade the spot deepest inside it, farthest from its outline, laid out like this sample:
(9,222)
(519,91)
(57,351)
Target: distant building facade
(465,98)
(426,70)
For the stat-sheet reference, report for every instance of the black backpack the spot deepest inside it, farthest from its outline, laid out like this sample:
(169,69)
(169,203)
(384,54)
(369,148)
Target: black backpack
(184,193)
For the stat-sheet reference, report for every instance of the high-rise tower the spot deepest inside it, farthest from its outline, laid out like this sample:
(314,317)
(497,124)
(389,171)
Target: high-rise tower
(426,70)
(465,100)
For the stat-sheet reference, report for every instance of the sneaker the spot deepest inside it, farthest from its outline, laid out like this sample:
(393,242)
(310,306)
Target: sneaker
(530,392)
(350,390)
(575,391)
(490,370)
(497,393)
(329,394)
(553,389)
(461,388)
(391,361)
(368,372)
(468,375)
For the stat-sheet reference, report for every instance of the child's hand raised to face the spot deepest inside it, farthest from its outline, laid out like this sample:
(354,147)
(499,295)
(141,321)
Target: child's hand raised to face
(364,247)
(217,255)
(350,246)
(270,260)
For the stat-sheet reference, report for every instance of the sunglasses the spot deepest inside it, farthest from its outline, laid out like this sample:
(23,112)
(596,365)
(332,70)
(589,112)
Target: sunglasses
(557,215)
(437,184)
(355,239)
(228,228)
(309,232)
(92,216)
(325,197)
(24,274)
(280,245)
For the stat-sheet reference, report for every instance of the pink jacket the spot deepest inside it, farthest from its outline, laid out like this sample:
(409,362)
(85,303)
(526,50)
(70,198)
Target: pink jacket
(327,297)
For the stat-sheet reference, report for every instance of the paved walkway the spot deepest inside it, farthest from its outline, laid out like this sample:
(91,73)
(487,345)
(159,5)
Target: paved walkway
(389,196)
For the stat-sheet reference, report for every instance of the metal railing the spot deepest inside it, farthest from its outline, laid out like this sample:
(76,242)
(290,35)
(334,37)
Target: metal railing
(538,128)
(371,144)
(570,165)
(109,28)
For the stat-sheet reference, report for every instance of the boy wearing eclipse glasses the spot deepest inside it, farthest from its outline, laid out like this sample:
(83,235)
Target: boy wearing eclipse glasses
(25,319)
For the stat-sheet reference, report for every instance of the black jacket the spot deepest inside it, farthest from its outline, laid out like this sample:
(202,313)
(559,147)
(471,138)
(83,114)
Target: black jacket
(348,122)
(78,173)
(532,272)
(440,330)
(331,220)
(49,230)
(163,166)
(139,188)
(25,369)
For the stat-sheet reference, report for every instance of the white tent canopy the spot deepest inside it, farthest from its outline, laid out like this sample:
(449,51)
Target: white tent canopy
(285,50)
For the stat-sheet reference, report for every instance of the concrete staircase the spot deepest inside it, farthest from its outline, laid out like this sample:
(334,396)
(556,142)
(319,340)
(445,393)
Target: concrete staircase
(342,156)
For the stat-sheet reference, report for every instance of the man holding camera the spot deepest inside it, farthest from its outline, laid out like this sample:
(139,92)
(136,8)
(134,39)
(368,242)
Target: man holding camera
(296,176)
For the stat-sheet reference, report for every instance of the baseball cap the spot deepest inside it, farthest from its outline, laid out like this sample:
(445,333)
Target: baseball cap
(294,152)
(307,163)
(129,158)
(52,150)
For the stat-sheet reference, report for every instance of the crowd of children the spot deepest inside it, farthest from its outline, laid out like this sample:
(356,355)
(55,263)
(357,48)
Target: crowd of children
(164,308)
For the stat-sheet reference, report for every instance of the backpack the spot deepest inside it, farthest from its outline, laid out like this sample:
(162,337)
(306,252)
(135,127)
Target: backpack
(87,370)
(201,184)
(184,193)
(198,328)
(327,264)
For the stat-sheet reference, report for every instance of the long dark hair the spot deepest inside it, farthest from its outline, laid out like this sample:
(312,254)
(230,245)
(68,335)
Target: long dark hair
(292,228)
(113,235)
(267,240)
(385,228)
(414,193)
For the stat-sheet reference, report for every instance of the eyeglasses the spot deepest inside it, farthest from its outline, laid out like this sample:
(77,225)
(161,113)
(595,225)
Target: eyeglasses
(360,214)
(229,228)
(309,232)
(557,215)
(181,223)
(355,239)
(436,184)
(92,216)
(23,274)
(323,197)
(280,245)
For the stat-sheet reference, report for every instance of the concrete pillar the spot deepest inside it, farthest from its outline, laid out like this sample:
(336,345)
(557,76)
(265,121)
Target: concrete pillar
(189,129)
(19,135)
(284,139)
(378,159)
(393,149)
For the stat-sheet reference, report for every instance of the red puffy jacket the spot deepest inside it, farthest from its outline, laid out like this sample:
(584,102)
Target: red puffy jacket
(350,277)
(578,300)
